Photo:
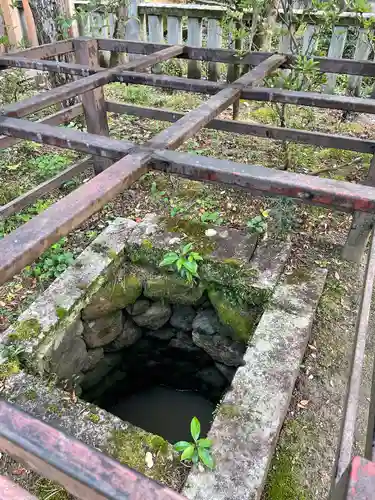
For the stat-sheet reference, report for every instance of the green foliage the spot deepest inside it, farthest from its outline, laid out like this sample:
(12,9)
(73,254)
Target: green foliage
(9,353)
(258,224)
(14,221)
(52,262)
(197,451)
(185,262)
(213,217)
(283,212)
(48,165)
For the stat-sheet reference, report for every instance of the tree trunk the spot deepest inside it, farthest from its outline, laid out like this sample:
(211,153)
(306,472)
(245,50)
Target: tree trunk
(50,17)
(263,35)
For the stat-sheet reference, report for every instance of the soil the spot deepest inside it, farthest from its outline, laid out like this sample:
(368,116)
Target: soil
(303,463)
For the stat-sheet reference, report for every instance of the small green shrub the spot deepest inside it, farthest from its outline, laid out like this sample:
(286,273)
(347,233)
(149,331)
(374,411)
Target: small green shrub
(52,262)
(258,224)
(197,451)
(185,262)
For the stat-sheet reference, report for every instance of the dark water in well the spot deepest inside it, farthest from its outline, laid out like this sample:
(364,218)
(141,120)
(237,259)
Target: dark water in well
(165,411)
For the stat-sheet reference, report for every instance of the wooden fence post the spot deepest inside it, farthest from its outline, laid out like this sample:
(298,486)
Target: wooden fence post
(362,223)
(12,23)
(30,25)
(86,52)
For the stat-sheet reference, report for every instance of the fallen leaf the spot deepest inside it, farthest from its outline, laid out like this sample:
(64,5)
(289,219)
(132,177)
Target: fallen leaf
(149,460)
(337,276)
(303,403)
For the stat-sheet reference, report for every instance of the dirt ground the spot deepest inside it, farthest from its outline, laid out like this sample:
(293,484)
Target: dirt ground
(302,466)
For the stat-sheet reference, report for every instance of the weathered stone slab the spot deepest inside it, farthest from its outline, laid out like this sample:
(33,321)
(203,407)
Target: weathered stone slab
(93,358)
(139,307)
(173,289)
(182,317)
(102,331)
(248,421)
(121,291)
(101,369)
(96,427)
(220,349)
(269,260)
(129,335)
(155,317)
(69,355)
(61,303)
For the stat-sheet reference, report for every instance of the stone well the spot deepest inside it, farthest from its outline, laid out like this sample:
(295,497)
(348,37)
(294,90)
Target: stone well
(115,322)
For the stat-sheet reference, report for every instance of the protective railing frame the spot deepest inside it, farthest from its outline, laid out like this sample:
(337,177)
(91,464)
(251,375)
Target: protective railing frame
(26,243)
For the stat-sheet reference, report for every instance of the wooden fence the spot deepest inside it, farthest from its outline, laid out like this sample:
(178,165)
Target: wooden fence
(201,26)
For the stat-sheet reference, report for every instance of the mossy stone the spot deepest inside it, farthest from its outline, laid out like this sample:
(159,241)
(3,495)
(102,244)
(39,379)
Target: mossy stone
(130,447)
(25,330)
(116,294)
(239,319)
(173,289)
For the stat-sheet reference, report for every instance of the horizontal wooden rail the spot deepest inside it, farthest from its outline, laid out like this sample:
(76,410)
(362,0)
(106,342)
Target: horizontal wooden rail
(78,87)
(35,193)
(326,64)
(84,472)
(314,99)
(65,138)
(25,244)
(63,116)
(217,12)
(16,61)
(245,128)
(48,50)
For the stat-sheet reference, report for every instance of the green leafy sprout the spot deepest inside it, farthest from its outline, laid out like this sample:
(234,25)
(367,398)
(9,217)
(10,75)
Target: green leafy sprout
(197,451)
(258,224)
(184,261)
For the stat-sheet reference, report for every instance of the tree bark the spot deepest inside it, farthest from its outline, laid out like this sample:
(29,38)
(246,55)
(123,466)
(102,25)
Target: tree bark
(49,16)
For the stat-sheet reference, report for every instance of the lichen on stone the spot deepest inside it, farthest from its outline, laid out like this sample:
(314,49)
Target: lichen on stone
(25,329)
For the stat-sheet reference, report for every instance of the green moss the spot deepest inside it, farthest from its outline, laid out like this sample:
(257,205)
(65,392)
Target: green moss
(61,312)
(31,394)
(173,289)
(195,231)
(159,444)
(147,244)
(94,417)
(130,447)
(228,411)
(9,368)
(54,409)
(285,481)
(238,317)
(26,329)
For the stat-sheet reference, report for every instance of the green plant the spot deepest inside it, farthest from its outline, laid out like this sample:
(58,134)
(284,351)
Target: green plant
(212,217)
(258,224)
(52,262)
(9,353)
(184,261)
(197,451)
(156,193)
(48,165)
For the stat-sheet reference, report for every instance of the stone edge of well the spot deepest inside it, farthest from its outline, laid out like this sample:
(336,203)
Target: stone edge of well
(249,419)
(75,287)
